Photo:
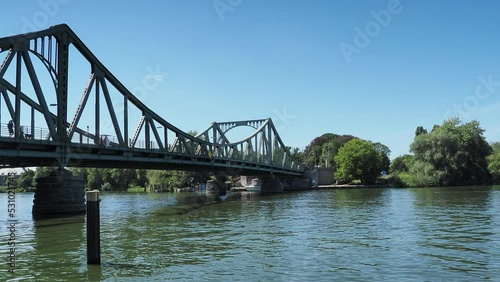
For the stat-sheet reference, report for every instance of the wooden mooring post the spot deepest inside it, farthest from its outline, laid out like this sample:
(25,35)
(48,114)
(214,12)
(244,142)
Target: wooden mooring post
(93,228)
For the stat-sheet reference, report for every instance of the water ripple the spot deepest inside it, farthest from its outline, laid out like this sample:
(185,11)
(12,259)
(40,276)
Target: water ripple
(447,234)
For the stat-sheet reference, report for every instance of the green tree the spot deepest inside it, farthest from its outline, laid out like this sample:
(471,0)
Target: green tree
(314,156)
(170,178)
(401,164)
(43,172)
(494,162)
(94,178)
(323,149)
(495,147)
(357,160)
(383,160)
(117,179)
(313,151)
(79,171)
(451,154)
(124,178)
(420,175)
(26,179)
(141,178)
(494,167)
(296,153)
(330,150)
(420,130)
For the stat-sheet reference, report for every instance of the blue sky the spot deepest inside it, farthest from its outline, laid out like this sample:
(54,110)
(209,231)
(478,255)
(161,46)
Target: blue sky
(375,69)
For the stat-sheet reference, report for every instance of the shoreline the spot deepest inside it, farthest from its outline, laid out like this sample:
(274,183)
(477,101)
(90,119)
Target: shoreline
(354,186)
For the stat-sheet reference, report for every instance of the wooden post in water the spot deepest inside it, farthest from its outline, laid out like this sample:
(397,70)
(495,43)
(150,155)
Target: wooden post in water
(93,228)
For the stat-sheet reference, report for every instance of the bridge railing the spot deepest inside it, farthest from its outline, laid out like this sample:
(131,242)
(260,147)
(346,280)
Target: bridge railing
(86,139)
(38,133)
(42,136)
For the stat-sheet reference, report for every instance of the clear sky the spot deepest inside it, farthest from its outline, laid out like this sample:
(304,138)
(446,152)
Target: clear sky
(375,69)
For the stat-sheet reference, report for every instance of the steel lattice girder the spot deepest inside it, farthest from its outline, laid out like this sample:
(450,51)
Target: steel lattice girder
(263,150)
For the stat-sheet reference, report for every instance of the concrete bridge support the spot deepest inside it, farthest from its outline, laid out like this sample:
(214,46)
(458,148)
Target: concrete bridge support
(320,175)
(215,187)
(271,184)
(59,194)
(249,180)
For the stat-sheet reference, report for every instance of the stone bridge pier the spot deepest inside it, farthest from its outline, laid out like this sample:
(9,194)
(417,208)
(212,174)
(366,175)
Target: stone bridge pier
(271,184)
(59,194)
(216,187)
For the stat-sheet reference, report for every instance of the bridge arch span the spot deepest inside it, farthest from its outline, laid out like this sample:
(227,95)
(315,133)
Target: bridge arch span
(115,140)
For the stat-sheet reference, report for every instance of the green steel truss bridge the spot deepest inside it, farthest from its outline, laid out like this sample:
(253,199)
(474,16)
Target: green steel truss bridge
(40,127)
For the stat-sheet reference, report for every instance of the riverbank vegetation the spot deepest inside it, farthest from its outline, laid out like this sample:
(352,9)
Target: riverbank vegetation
(361,160)
(451,154)
(137,180)
(121,180)
(354,160)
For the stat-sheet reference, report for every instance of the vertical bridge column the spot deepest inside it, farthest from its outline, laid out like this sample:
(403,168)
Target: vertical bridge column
(59,194)
(216,187)
(271,184)
(62,94)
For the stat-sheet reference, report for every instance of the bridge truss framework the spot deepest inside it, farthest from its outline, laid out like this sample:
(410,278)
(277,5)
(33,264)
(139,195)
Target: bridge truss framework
(51,139)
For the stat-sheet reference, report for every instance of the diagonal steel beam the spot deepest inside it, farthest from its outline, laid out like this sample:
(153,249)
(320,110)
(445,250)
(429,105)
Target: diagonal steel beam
(111,110)
(137,131)
(6,62)
(81,106)
(187,145)
(157,136)
(222,135)
(11,88)
(8,103)
(39,93)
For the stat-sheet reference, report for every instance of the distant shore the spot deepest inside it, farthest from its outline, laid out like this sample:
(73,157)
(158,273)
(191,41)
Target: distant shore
(341,186)
(350,186)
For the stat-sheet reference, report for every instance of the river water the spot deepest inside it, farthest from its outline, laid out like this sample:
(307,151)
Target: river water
(426,234)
